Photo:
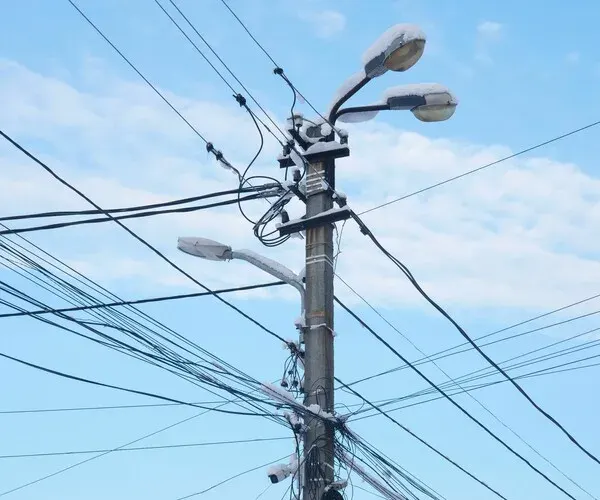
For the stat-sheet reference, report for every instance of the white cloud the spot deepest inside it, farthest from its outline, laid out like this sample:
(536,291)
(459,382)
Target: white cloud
(489,29)
(573,57)
(488,34)
(515,235)
(326,23)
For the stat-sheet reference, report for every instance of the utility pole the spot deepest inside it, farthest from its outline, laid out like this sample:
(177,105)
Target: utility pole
(318,338)
(397,49)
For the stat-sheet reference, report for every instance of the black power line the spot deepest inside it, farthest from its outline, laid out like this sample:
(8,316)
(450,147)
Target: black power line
(458,383)
(452,401)
(144,448)
(125,389)
(187,20)
(483,167)
(537,373)
(235,476)
(450,351)
(60,225)
(209,146)
(365,230)
(96,408)
(278,70)
(137,237)
(95,457)
(421,440)
(137,208)
(142,301)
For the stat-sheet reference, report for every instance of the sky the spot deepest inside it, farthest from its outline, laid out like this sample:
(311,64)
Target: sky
(495,248)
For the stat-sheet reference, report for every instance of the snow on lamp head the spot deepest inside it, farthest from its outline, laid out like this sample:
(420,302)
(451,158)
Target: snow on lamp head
(429,102)
(204,248)
(398,49)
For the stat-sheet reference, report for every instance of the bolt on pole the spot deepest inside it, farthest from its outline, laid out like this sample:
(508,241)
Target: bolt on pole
(319,359)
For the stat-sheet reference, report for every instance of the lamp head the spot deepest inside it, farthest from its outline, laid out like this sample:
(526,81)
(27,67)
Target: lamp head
(204,248)
(398,49)
(429,102)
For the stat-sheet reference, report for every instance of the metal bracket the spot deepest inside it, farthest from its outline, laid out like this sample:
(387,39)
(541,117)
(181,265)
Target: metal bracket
(327,217)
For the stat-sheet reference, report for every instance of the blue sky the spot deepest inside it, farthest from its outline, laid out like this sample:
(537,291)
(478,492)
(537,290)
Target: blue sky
(495,248)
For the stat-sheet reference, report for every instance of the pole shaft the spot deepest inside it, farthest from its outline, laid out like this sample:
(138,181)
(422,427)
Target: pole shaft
(318,374)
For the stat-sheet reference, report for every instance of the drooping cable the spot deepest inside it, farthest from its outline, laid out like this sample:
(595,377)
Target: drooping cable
(143,448)
(451,351)
(215,53)
(136,236)
(235,476)
(454,381)
(138,215)
(483,167)
(365,230)
(125,389)
(277,66)
(450,399)
(142,301)
(138,208)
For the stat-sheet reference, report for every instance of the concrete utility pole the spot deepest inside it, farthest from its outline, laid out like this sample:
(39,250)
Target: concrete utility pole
(398,49)
(318,339)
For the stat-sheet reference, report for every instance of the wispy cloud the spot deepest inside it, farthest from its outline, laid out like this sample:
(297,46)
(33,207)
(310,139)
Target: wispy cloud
(488,34)
(501,245)
(490,29)
(573,57)
(325,23)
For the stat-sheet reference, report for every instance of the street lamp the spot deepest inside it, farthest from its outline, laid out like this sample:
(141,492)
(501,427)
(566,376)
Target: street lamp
(397,49)
(213,250)
(429,102)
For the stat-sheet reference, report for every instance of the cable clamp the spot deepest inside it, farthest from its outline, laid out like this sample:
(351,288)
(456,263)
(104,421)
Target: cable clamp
(240,99)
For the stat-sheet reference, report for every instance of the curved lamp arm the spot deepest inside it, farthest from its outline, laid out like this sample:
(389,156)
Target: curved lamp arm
(361,109)
(273,268)
(344,98)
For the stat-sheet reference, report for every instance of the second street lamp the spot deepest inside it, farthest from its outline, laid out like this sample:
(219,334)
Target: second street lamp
(213,250)
(429,102)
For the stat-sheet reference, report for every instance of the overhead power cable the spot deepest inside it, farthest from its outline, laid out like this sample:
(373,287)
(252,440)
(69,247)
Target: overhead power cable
(235,476)
(483,167)
(138,208)
(209,46)
(451,351)
(125,389)
(100,455)
(421,440)
(209,146)
(176,364)
(137,237)
(537,373)
(278,69)
(485,373)
(455,381)
(144,448)
(452,401)
(100,408)
(551,370)
(143,301)
(12,246)
(365,230)
(60,225)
